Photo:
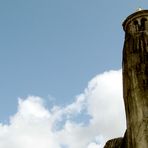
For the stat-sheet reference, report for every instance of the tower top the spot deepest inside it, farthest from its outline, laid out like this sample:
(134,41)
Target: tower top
(139,14)
(139,9)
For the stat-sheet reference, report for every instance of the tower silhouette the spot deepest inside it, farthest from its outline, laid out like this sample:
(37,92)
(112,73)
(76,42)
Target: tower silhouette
(135,82)
(135,78)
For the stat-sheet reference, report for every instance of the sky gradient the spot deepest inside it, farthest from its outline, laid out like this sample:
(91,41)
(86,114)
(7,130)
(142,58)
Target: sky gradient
(53,48)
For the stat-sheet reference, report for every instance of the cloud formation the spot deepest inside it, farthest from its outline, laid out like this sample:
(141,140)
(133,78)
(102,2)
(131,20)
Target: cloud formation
(95,116)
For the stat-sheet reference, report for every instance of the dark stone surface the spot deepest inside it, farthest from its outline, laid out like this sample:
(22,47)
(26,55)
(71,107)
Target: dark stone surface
(114,143)
(135,82)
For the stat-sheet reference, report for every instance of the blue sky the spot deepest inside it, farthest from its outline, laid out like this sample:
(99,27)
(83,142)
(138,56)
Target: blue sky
(53,48)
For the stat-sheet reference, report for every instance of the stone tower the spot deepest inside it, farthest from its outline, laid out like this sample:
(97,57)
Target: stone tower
(135,79)
(135,82)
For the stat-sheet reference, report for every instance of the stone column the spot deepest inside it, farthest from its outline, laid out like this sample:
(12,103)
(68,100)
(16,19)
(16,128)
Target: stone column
(135,79)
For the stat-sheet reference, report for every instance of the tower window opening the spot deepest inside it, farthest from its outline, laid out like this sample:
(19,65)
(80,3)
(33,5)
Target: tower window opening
(143,24)
(136,25)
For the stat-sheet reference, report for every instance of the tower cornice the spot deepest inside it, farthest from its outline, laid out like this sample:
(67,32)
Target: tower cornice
(134,16)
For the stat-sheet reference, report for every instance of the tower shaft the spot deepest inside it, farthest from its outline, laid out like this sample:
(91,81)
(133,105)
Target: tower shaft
(135,79)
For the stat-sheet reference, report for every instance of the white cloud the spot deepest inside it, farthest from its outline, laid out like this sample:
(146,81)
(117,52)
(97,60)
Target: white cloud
(105,104)
(94,145)
(36,126)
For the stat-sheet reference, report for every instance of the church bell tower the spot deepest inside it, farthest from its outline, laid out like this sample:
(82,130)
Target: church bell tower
(135,79)
(135,82)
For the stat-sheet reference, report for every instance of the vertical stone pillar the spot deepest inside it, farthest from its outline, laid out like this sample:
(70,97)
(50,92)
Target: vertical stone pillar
(135,79)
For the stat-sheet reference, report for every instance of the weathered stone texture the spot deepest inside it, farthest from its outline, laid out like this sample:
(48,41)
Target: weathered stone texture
(114,143)
(135,80)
